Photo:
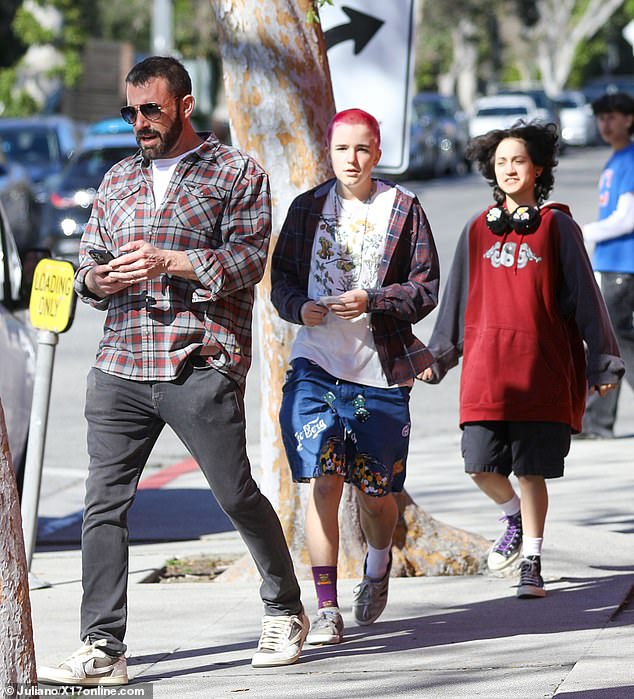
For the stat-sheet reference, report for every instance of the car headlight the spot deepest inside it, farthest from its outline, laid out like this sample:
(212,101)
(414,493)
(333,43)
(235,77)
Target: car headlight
(68,226)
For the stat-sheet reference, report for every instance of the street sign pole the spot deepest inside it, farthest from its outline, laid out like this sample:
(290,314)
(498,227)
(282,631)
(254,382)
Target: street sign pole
(46,344)
(51,310)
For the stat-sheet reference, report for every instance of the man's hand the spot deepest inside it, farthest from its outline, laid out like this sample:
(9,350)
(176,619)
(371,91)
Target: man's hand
(313,313)
(603,389)
(100,283)
(351,304)
(139,262)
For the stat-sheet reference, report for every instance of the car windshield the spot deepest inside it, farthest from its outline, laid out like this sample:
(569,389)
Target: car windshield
(30,145)
(501,111)
(567,103)
(87,170)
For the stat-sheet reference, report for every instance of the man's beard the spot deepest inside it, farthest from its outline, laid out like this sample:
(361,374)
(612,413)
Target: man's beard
(166,141)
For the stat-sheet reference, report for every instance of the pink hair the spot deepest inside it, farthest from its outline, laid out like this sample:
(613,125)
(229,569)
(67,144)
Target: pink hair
(355,116)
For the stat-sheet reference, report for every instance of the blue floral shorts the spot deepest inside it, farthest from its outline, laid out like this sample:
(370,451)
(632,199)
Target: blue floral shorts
(330,426)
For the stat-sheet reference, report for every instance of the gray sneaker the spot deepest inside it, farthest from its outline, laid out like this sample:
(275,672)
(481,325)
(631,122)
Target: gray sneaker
(87,667)
(326,628)
(531,581)
(370,597)
(281,640)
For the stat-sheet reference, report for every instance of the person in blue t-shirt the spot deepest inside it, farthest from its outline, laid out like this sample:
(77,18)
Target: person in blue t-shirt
(613,237)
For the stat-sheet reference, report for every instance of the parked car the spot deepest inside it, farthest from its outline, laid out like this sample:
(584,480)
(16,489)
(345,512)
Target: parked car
(547,108)
(111,125)
(17,197)
(438,137)
(597,87)
(578,124)
(422,148)
(41,144)
(17,348)
(71,194)
(501,112)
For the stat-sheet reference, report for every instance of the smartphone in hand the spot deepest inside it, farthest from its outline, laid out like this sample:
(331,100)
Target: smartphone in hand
(328,300)
(101,257)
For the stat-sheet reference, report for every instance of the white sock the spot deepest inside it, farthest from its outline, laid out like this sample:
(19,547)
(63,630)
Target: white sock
(376,562)
(512,507)
(531,546)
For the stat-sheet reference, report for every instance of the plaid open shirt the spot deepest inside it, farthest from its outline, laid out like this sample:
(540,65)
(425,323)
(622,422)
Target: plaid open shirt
(217,208)
(408,277)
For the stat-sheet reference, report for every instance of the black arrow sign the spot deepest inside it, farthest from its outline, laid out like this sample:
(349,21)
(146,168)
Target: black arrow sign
(361,28)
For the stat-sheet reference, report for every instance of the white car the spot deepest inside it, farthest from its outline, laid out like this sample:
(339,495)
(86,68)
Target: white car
(501,112)
(17,348)
(578,124)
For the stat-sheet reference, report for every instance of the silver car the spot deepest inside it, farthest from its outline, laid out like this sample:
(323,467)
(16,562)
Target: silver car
(17,347)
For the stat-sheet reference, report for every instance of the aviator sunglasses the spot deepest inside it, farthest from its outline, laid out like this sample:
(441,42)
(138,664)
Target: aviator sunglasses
(150,110)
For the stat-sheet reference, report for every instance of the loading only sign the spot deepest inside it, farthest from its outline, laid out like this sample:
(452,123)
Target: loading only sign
(52,302)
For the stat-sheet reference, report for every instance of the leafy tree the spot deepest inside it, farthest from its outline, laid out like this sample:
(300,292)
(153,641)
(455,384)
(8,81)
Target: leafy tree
(457,46)
(62,62)
(577,21)
(117,20)
(11,48)
(607,51)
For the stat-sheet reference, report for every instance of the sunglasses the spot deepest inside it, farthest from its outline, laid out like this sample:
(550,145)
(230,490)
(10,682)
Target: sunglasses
(150,110)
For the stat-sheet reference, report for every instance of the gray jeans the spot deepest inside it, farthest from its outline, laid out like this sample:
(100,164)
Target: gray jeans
(618,292)
(206,411)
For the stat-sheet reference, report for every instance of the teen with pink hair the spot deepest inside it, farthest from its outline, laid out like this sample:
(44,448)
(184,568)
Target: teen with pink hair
(355,266)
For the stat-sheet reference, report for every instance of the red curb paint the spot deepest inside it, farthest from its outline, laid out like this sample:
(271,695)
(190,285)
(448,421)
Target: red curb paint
(168,474)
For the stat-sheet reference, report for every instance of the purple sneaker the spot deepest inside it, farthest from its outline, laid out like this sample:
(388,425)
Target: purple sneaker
(506,550)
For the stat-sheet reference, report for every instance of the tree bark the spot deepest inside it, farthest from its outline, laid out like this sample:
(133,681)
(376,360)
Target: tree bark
(279,99)
(17,654)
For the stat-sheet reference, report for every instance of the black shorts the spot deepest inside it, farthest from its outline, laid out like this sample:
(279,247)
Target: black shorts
(523,448)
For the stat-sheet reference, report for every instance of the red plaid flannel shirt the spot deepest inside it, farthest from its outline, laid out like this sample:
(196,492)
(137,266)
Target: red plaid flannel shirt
(217,208)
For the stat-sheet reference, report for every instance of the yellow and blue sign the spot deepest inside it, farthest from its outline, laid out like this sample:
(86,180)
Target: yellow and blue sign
(52,302)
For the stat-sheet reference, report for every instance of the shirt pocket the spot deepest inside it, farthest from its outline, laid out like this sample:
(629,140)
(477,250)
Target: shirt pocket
(123,203)
(197,215)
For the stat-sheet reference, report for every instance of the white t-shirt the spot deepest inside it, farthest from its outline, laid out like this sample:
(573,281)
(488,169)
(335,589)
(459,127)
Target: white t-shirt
(347,251)
(162,171)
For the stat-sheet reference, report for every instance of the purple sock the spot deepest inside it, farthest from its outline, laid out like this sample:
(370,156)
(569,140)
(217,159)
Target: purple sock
(325,578)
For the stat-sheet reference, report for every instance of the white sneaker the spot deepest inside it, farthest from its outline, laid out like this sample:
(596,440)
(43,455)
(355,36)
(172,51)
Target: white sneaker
(87,667)
(281,640)
(326,628)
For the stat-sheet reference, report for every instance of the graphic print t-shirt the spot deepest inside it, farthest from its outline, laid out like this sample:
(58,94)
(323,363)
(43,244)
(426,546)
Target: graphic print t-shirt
(347,250)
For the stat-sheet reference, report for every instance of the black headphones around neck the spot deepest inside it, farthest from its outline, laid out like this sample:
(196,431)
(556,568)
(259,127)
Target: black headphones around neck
(525,219)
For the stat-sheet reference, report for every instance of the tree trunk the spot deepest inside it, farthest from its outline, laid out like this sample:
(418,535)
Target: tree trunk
(17,654)
(461,77)
(279,99)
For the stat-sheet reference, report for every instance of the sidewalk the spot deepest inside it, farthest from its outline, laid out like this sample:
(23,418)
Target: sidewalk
(438,638)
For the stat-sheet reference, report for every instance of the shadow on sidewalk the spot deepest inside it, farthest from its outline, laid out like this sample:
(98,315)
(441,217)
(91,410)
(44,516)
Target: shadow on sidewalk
(572,604)
(624,692)
(176,514)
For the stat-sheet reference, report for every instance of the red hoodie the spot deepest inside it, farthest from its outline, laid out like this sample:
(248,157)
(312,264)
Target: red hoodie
(516,307)
(522,359)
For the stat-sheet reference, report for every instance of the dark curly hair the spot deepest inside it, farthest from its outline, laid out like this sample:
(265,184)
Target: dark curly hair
(542,144)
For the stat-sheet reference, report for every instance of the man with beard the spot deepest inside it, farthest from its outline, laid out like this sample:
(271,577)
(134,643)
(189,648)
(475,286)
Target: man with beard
(187,223)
